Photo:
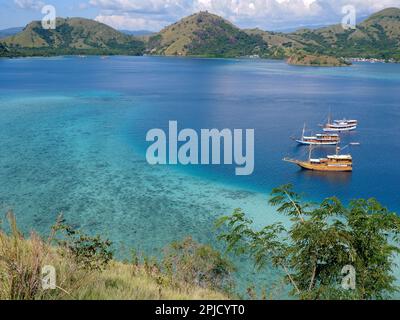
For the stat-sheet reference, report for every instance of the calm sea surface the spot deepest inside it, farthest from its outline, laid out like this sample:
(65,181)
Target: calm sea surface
(72,140)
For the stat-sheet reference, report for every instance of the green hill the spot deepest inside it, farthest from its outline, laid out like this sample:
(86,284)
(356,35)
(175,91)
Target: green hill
(376,37)
(208,35)
(205,34)
(280,45)
(73,36)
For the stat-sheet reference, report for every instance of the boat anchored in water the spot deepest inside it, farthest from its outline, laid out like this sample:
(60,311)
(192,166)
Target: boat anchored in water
(340,125)
(323,139)
(332,163)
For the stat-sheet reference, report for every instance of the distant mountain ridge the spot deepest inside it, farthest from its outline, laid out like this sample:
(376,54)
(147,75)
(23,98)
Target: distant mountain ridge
(10,32)
(208,35)
(138,33)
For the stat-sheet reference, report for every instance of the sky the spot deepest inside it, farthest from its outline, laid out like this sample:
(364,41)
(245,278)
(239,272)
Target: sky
(153,15)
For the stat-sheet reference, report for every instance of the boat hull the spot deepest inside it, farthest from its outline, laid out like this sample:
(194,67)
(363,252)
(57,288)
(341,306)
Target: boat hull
(321,167)
(308,143)
(325,168)
(340,129)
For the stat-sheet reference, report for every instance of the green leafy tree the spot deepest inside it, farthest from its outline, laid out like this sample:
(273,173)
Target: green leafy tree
(321,240)
(92,253)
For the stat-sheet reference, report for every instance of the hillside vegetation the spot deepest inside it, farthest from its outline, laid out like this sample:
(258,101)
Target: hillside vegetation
(376,37)
(85,270)
(73,36)
(3,49)
(362,237)
(208,35)
(205,34)
(304,59)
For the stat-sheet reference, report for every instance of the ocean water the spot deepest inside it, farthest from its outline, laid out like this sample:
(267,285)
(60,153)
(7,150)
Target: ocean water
(72,140)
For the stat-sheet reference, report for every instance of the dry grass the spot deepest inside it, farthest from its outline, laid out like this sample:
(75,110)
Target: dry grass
(127,282)
(22,260)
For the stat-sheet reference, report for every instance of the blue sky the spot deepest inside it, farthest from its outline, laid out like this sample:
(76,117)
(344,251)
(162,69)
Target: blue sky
(155,14)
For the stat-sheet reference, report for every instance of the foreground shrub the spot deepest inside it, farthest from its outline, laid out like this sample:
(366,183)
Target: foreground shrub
(84,270)
(23,260)
(91,253)
(190,262)
(20,263)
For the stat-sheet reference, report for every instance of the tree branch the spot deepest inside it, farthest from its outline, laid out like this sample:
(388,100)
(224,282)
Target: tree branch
(295,205)
(313,276)
(291,278)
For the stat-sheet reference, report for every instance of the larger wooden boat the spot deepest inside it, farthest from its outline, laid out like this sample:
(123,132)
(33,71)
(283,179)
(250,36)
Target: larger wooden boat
(332,163)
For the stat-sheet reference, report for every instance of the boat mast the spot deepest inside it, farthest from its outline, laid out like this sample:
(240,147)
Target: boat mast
(330,116)
(304,132)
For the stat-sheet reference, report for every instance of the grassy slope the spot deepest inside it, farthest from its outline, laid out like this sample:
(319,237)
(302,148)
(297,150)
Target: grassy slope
(376,37)
(205,34)
(21,262)
(125,282)
(74,35)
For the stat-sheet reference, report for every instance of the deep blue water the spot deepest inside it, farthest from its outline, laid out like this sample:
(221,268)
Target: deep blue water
(72,140)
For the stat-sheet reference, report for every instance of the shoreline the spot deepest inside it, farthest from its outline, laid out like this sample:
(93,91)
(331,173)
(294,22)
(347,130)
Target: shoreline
(285,60)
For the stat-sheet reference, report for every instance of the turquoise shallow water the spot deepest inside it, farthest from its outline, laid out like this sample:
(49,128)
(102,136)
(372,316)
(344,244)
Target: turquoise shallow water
(72,140)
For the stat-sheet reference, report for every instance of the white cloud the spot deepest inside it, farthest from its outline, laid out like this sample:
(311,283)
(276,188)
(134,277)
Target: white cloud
(126,22)
(267,14)
(29,4)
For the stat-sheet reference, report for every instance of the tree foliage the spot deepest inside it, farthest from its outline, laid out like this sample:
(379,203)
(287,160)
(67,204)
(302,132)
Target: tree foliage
(91,253)
(196,264)
(321,240)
